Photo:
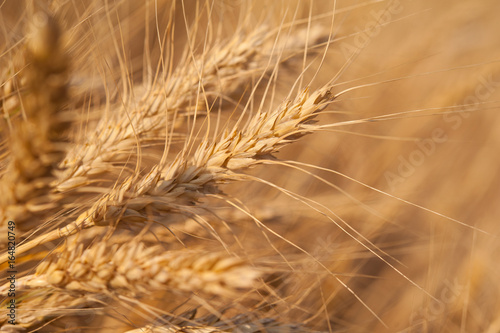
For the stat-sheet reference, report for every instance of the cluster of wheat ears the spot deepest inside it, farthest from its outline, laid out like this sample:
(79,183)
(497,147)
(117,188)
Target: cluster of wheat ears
(249,166)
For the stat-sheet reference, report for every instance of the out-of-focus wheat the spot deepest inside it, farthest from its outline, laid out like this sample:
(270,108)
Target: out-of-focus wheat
(36,141)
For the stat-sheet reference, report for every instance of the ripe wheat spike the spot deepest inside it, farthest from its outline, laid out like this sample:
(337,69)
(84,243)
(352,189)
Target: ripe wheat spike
(206,166)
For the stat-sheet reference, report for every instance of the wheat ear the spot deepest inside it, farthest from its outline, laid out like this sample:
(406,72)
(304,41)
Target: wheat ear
(43,304)
(133,269)
(36,142)
(165,190)
(221,70)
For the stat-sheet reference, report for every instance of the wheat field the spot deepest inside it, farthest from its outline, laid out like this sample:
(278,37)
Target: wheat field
(249,166)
